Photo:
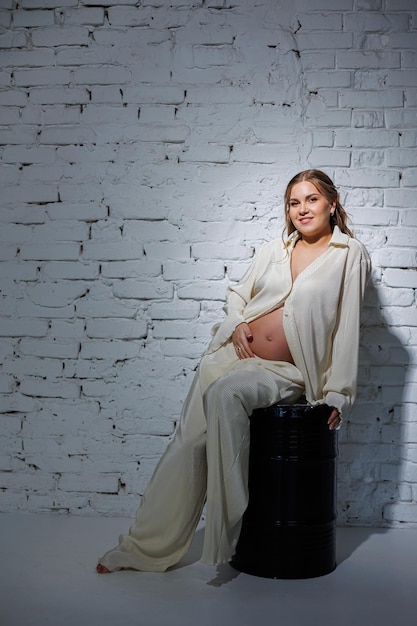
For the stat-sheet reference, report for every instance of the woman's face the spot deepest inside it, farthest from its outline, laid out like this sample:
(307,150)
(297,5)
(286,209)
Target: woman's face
(310,210)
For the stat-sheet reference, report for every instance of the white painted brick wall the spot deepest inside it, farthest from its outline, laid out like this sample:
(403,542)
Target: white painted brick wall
(145,147)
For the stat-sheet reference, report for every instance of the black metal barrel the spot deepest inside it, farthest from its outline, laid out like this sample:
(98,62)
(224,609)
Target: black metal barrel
(289,527)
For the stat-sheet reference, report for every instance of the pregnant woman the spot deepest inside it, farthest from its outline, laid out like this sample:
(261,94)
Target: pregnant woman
(291,329)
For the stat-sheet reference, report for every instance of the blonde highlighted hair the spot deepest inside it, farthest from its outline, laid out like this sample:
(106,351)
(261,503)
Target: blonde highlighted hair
(325,186)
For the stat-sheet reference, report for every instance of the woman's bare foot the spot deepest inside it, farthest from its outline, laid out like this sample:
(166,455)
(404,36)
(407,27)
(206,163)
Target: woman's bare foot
(102,569)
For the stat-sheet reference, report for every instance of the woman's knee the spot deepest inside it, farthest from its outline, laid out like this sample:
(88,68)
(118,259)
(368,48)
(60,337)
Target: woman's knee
(225,394)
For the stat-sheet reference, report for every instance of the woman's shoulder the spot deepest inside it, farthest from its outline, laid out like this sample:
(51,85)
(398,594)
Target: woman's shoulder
(359,256)
(343,240)
(273,248)
(273,251)
(357,247)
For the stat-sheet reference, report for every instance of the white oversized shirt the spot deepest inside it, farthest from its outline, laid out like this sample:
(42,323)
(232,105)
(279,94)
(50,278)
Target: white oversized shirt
(321,315)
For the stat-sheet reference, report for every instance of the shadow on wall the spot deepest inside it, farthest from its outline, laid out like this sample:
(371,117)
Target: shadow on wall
(372,442)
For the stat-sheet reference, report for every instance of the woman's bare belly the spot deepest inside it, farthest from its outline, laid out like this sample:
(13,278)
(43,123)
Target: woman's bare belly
(269,340)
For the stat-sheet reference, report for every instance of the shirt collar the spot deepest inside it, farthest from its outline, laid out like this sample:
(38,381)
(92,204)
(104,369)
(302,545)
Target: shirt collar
(338,239)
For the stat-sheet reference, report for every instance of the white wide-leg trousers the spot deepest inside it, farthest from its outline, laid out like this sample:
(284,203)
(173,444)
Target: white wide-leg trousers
(206,461)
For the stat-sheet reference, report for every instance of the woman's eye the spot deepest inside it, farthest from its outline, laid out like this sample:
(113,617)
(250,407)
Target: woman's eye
(313,199)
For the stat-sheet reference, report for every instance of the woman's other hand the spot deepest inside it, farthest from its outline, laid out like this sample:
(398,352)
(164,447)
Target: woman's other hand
(335,420)
(241,339)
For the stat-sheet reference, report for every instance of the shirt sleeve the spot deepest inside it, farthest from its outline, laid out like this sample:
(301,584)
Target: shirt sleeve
(237,298)
(340,387)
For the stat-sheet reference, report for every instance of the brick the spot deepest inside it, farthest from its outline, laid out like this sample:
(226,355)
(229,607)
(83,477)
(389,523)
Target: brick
(202,291)
(174,310)
(214,154)
(27,366)
(27,58)
(10,39)
(396,296)
(400,5)
(323,40)
(69,230)
(167,251)
(56,294)
(53,251)
(102,76)
(5,17)
(354,59)
(403,40)
(59,95)
(21,135)
(9,174)
(320,60)
(46,348)
(7,383)
(401,158)
(116,329)
(318,116)
(409,177)
(411,97)
(113,251)
(24,154)
(81,16)
(58,270)
(331,157)
(58,114)
(174,270)
(31,19)
(397,257)
(59,36)
(130,269)
(88,212)
(18,271)
(367,178)
(400,278)
(38,387)
(104,307)
(223,251)
(143,290)
(47,4)
(368,158)
(368,119)
(110,350)
(400,197)
(400,512)
(36,77)
(401,118)
(371,99)
(16,403)
(67,329)
(408,58)
(12,97)
(9,115)
(378,22)
(8,252)
(23,328)
(409,217)
(58,135)
(258,153)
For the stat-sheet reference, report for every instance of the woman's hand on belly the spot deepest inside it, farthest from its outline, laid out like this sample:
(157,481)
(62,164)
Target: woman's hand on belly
(241,339)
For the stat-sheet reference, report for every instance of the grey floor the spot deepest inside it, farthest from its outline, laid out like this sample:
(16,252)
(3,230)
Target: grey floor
(47,576)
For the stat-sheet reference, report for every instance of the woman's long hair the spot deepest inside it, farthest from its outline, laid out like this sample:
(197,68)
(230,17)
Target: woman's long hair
(326,187)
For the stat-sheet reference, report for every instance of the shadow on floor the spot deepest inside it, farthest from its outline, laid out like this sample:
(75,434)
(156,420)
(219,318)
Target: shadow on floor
(348,540)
